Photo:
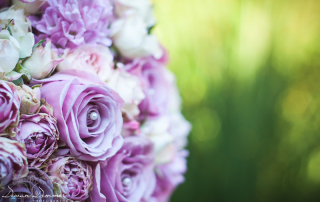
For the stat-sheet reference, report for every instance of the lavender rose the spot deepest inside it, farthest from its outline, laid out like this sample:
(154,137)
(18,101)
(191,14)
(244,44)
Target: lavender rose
(34,186)
(9,104)
(169,176)
(128,175)
(152,74)
(39,132)
(71,178)
(89,115)
(13,161)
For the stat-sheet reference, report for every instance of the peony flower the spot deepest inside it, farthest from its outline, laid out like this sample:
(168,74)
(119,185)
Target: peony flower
(75,23)
(71,178)
(89,115)
(128,175)
(96,59)
(42,61)
(9,105)
(129,88)
(20,28)
(169,176)
(30,7)
(13,161)
(30,99)
(9,52)
(143,8)
(36,185)
(39,132)
(130,37)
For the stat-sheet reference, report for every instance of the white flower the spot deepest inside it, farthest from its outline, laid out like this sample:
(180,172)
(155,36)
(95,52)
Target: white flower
(31,7)
(20,28)
(92,58)
(130,37)
(42,62)
(144,9)
(9,52)
(129,88)
(158,132)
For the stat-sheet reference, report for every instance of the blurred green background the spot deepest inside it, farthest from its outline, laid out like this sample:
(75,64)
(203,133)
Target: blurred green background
(249,75)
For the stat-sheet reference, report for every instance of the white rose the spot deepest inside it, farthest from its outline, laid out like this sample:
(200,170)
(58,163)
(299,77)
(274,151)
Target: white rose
(92,58)
(158,132)
(9,52)
(20,28)
(130,37)
(31,7)
(42,62)
(144,9)
(129,88)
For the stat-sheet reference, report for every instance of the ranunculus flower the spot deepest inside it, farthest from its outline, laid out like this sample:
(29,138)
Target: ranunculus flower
(36,186)
(128,175)
(42,61)
(96,59)
(71,177)
(129,88)
(39,132)
(30,99)
(89,115)
(13,161)
(144,9)
(9,104)
(169,176)
(130,37)
(30,7)
(75,23)
(20,27)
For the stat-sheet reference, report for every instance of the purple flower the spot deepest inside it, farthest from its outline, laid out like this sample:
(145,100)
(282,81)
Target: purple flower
(34,186)
(152,74)
(89,115)
(169,176)
(3,3)
(71,177)
(13,161)
(128,175)
(39,132)
(71,23)
(9,104)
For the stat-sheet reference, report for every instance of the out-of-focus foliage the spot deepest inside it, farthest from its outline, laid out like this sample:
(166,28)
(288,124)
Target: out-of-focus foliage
(249,75)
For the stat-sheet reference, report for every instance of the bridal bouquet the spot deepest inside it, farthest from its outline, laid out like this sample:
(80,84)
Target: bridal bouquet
(88,109)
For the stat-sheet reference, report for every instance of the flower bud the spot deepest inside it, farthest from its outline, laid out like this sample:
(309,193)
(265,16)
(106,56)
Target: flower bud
(30,99)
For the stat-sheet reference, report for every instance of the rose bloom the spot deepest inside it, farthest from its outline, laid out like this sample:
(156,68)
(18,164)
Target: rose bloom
(128,175)
(39,132)
(9,104)
(30,99)
(96,59)
(71,177)
(35,184)
(13,161)
(89,115)
(169,176)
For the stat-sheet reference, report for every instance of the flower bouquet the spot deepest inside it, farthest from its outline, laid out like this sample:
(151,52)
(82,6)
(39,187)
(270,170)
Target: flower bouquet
(88,109)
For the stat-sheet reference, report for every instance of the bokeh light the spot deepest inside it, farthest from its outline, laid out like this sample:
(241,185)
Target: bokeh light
(249,75)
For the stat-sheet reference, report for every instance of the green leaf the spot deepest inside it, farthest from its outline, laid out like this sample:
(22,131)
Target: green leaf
(8,27)
(18,82)
(20,69)
(150,29)
(38,44)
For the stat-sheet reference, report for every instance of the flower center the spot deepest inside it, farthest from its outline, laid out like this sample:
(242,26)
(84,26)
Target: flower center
(93,116)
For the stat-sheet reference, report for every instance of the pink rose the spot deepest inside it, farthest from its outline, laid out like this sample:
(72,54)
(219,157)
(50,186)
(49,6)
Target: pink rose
(9,104)
(96,59)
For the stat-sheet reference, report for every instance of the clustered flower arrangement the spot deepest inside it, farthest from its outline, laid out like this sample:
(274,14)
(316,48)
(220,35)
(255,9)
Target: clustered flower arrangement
(88,109)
